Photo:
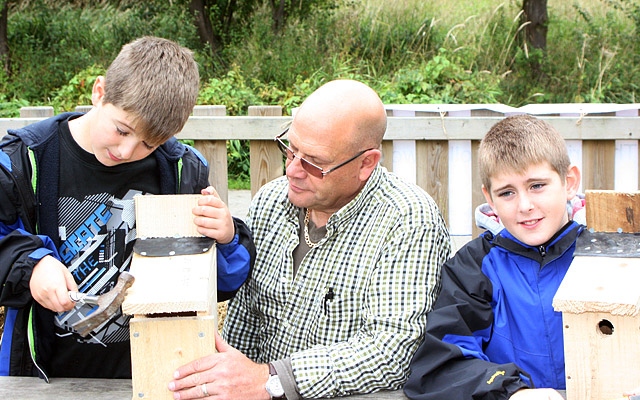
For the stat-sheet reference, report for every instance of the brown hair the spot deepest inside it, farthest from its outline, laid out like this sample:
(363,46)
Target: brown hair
(517,142)
(157,81)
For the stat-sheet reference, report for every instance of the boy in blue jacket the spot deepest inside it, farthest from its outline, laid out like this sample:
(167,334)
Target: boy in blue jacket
(67,218)
(493,333)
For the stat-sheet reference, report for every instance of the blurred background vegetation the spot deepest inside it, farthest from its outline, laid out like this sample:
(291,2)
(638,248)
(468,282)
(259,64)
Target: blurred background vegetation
(276,52)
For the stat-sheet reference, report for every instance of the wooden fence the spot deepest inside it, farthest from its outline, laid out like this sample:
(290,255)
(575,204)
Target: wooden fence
(434,146)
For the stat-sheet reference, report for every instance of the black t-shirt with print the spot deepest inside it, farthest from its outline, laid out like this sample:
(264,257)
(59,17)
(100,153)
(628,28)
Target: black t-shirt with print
(96,229)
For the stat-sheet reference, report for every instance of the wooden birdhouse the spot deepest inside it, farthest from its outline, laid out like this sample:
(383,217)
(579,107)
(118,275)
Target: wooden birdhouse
(174,299)
(600,301)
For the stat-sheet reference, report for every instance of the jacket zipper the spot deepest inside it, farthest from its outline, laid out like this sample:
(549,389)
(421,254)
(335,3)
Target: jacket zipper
(543,251)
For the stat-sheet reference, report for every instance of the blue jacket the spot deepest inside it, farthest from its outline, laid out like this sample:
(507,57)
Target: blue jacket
(493,329)
(28,232)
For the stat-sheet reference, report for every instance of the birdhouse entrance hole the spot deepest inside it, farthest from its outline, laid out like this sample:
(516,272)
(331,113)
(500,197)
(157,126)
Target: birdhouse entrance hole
(605,327)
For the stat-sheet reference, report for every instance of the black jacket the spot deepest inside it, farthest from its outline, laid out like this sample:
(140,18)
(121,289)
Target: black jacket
(28,232)
(493,329)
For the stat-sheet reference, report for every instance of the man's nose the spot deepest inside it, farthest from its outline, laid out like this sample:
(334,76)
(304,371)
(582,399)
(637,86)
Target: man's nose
(294,166)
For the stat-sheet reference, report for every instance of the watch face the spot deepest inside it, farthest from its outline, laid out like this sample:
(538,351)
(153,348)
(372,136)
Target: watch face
(274,387)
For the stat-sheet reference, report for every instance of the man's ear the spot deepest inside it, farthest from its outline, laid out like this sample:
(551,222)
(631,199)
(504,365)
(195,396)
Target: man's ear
(487,197)
(97,93)
(573,181)
(369,161)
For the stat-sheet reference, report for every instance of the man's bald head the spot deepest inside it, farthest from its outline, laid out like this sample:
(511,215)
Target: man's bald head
(348,106)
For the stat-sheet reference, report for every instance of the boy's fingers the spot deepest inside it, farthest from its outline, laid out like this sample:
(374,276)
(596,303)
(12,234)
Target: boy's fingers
(210,190)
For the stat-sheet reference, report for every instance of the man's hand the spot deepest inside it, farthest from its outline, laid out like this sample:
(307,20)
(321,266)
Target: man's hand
(213,217)
(50,284)
(227,374)
(536,394)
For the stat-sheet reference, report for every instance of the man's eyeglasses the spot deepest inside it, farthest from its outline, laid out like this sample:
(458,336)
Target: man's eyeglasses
(307,165)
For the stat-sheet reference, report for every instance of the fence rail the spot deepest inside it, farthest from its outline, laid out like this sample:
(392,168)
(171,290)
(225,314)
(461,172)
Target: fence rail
(434,146)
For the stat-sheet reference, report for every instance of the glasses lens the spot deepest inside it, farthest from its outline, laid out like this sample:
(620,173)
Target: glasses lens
(310,168)
(306,165)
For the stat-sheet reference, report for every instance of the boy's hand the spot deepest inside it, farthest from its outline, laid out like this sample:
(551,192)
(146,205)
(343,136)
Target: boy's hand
(213,217)
(50,284)
(536,394)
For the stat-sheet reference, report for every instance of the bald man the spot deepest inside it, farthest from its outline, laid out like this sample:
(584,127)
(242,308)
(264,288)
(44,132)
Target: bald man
(347,267)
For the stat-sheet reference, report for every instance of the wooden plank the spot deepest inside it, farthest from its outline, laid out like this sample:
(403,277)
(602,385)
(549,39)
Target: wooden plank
(265,157)
(266,163)
(83,109)
(215,151)
(398,128)
(160,345)
(233,127)
(626,165)
(612,211)
(36,112)
(166,215)
(23,387)
(474,128)
(432,173)
(172,284)
(477,198)
(600,364)
(460,185)
(600,284)
(414,128)
(387,155)
(598,160)
(27,387)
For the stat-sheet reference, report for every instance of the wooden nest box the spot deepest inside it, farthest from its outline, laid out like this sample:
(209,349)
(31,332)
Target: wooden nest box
(173,299)
(600,300)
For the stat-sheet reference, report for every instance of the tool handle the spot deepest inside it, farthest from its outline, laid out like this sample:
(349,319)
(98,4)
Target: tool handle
(79,297)
(125,280)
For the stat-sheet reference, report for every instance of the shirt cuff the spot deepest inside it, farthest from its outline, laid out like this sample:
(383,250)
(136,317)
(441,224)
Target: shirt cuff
(288,381)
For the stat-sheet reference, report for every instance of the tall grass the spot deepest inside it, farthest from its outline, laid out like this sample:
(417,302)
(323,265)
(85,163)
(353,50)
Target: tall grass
(408,50)
(471,51)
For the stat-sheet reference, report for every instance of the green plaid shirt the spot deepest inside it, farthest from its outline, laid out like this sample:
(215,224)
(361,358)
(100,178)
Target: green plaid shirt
(355,312)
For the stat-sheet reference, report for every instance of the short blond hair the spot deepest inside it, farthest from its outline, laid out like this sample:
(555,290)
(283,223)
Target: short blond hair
(517,142)
(157,81)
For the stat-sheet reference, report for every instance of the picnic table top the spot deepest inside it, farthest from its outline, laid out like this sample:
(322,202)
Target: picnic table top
(14,387)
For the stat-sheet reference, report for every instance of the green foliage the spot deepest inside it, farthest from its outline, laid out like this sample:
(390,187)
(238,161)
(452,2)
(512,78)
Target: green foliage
(442,80)
(232,90)
(11,108)
(238,156)
(78,90)
(51,42)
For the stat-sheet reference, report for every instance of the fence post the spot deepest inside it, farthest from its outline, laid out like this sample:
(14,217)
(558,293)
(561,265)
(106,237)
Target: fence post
(36,112)
(266,159)
(215,151)
(83,109)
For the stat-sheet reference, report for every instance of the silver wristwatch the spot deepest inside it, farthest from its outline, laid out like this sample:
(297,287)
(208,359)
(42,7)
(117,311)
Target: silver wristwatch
(273,386)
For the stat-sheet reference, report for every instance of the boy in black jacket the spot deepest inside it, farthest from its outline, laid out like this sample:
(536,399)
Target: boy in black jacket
(67,218)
